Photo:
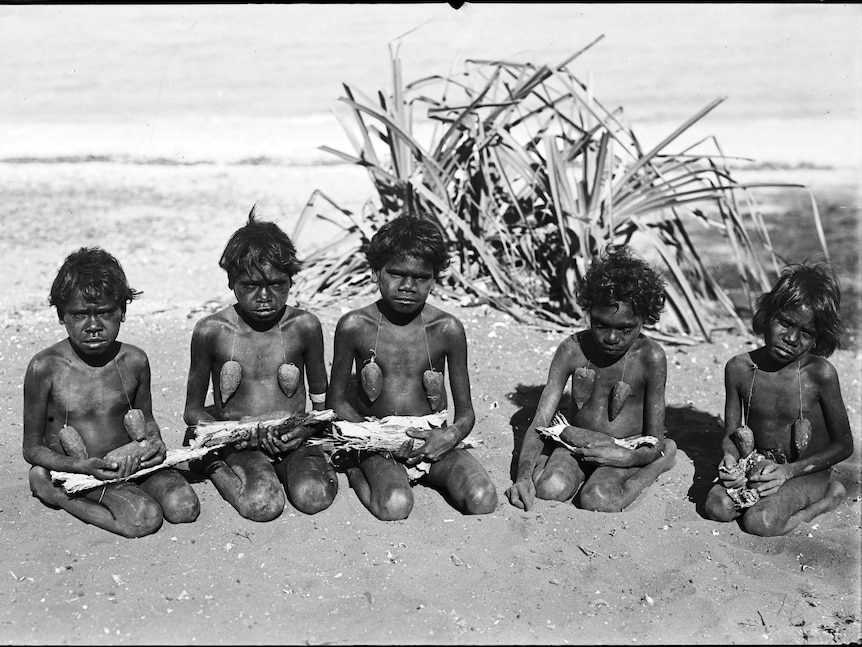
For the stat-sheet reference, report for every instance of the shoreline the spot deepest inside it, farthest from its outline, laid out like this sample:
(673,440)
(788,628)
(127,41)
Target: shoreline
(795,142)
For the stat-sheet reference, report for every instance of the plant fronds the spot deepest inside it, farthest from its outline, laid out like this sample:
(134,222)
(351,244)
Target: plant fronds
(530,177)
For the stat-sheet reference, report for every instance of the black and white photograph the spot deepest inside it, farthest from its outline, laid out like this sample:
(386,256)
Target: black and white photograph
(431,323)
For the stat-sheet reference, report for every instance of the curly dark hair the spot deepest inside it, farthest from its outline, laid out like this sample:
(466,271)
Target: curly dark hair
(408,235)
(619,276)
(257,244)
(96,274)
(812,284)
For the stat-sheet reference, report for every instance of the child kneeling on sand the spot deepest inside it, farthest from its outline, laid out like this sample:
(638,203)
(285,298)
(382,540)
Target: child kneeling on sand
(79,395)
(256,353)
(410,343)
(785,421)
(615,445)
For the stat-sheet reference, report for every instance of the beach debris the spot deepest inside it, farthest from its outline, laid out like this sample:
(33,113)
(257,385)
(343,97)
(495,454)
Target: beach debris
(619,394)
(288,378)
(743,438)
(371,377)
(800,434)
(589,552)
(582,385)
(72,442)
(229,379)
(432,382)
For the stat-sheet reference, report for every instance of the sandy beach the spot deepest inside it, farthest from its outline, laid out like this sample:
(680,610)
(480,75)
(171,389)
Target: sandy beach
(152,130)
(657,573)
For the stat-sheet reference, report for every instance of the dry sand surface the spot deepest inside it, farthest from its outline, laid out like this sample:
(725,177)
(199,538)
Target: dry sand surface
(656,573)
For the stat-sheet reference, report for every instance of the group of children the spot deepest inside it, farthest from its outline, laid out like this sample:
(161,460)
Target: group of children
(785,420)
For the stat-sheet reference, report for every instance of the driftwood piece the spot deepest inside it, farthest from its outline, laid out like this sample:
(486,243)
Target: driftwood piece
(380,434)
(224,432)
(209,436)
(73,482)
(555,431)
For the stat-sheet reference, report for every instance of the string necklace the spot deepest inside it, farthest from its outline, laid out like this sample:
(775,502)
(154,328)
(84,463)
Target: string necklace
(122,383)
(750,393)
(427,347)
(799,381)
(377,339)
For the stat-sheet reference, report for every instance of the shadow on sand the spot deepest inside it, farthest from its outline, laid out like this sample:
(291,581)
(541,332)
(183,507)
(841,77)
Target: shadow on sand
(526,397)
(698,434)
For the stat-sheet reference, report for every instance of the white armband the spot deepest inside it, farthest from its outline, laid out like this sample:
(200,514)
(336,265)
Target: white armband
(317,398)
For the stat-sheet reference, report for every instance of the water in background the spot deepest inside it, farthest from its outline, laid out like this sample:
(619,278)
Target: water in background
(233,82)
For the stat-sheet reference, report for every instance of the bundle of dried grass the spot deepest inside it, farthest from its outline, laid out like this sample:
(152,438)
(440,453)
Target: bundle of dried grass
(559,424)
(380,435)
(209,436)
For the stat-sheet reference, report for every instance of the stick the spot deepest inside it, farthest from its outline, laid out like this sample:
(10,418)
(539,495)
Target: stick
(381,435)
(559,423)
(74,482)
(210,435)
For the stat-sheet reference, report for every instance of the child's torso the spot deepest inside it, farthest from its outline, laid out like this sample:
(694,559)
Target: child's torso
(260,354)
(775,405)
(403,356)
(596,411)
(93,400)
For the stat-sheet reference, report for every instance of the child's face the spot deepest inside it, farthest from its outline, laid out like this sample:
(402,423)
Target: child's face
(405,283)
(790,334)
(262,294)
(615,327)
(92,326)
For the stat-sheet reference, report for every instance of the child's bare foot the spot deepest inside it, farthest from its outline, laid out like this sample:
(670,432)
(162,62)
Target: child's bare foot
(833,497)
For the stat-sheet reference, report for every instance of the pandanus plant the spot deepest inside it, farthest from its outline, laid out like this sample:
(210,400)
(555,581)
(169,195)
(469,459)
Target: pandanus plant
(530,178)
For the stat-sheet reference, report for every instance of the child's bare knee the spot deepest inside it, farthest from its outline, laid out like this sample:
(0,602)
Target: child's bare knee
(181,507)
(396,505)
(718,506)
(262,504)
(554,487)
(481,498)
(762,522)
(601,497)
(146,520)
(314,494)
